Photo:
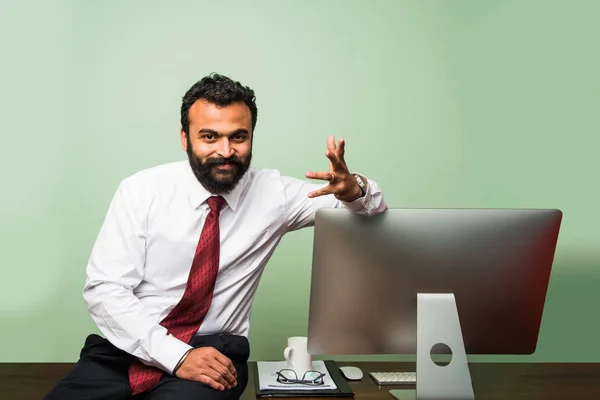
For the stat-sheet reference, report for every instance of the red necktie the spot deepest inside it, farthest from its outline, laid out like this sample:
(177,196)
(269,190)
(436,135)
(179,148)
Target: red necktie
(185,319)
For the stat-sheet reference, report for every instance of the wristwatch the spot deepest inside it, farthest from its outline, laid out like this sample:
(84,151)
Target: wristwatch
(362,183)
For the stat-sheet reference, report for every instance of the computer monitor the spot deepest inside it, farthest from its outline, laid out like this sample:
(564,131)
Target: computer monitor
(370,274)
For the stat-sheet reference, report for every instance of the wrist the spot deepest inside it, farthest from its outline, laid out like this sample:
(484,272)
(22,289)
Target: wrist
(181,361)
(357,194)
(351,195)
(362,184)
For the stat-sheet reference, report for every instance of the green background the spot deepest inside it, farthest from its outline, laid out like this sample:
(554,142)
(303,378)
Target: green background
(443,103)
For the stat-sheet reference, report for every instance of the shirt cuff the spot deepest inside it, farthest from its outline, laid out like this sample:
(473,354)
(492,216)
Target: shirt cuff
(357,205)
(170,353)
(362,203)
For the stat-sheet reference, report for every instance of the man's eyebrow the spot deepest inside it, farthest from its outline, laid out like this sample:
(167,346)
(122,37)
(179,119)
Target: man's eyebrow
(213,132)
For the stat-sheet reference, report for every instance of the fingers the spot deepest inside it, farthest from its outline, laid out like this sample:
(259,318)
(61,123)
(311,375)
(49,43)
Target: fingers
(337,149)
(338,172)
(222,369)
(207,380)
(341,149)
(324,176)
(320,192)
(226,368)
(331,144)
(216,380)
(332,156)
(209,366)
(207,376)
(336,154)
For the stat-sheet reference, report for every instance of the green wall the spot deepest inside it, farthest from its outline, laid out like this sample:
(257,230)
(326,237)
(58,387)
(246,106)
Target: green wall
(444,103)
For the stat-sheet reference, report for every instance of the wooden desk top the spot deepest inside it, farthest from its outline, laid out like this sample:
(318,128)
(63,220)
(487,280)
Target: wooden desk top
(28,381)
(497,381)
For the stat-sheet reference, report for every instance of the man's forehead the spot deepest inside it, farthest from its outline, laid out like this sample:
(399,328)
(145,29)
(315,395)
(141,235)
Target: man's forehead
(234,111)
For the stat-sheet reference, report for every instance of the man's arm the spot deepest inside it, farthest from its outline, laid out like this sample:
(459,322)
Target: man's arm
(115,269)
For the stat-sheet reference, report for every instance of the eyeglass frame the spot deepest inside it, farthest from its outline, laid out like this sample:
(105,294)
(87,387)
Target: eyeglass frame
(281,378)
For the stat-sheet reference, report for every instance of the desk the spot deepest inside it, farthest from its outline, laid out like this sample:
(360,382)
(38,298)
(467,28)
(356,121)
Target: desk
(495,381)
(30,381)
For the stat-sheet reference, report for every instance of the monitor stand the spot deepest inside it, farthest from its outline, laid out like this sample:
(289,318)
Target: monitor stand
(438,323)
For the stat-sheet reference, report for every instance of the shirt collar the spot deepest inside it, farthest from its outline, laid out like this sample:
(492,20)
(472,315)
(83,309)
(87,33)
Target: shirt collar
(198,194)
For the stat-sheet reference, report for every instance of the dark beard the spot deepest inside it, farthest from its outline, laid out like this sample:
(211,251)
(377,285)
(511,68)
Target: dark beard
(211,181)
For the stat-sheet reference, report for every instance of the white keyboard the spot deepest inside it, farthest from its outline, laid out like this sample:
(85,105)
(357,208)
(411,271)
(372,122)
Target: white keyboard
(394,378)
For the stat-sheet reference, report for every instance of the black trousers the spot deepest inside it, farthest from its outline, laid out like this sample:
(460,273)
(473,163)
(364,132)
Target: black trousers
(102,373)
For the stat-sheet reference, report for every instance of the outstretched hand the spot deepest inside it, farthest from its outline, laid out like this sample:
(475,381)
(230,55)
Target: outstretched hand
(342,184)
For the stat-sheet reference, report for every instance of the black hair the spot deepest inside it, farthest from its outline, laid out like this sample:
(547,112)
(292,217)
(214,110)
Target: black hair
(219,90)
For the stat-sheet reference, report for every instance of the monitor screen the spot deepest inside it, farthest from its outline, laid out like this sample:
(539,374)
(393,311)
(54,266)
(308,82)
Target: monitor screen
(367,272)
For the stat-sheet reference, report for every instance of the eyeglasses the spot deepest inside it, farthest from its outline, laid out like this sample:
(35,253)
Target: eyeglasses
(289,376)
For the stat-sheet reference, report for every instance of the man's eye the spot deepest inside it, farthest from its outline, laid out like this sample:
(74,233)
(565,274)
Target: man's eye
(208,136)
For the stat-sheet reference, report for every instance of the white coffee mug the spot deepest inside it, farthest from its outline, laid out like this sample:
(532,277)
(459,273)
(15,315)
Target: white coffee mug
(297,356)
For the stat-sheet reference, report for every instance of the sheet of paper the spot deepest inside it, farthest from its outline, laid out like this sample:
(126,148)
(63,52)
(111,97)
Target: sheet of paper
(267,376)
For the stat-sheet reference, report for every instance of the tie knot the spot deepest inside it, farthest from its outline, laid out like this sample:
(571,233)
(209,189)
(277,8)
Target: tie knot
(215,203)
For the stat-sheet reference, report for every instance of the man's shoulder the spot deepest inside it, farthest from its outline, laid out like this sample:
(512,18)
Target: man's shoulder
(264,173)
(148,182)
(268,178)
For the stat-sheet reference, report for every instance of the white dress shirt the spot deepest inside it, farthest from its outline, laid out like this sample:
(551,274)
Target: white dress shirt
(139,265)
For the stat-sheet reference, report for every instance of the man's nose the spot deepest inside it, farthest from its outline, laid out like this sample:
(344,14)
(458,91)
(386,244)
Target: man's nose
(225,150)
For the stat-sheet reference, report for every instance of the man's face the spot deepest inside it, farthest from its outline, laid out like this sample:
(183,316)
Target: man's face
(219,147)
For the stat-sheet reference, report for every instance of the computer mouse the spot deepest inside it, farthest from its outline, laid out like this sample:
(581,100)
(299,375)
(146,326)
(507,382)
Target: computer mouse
(351,373)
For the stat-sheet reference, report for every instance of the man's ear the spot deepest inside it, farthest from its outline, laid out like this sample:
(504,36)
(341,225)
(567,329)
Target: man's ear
(184,142)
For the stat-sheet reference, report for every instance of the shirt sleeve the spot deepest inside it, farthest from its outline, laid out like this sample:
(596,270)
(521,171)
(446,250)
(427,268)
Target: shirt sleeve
(115,268)
(300,210)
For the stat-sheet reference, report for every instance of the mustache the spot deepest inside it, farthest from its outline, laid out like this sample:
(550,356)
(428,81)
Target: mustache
(213,162)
